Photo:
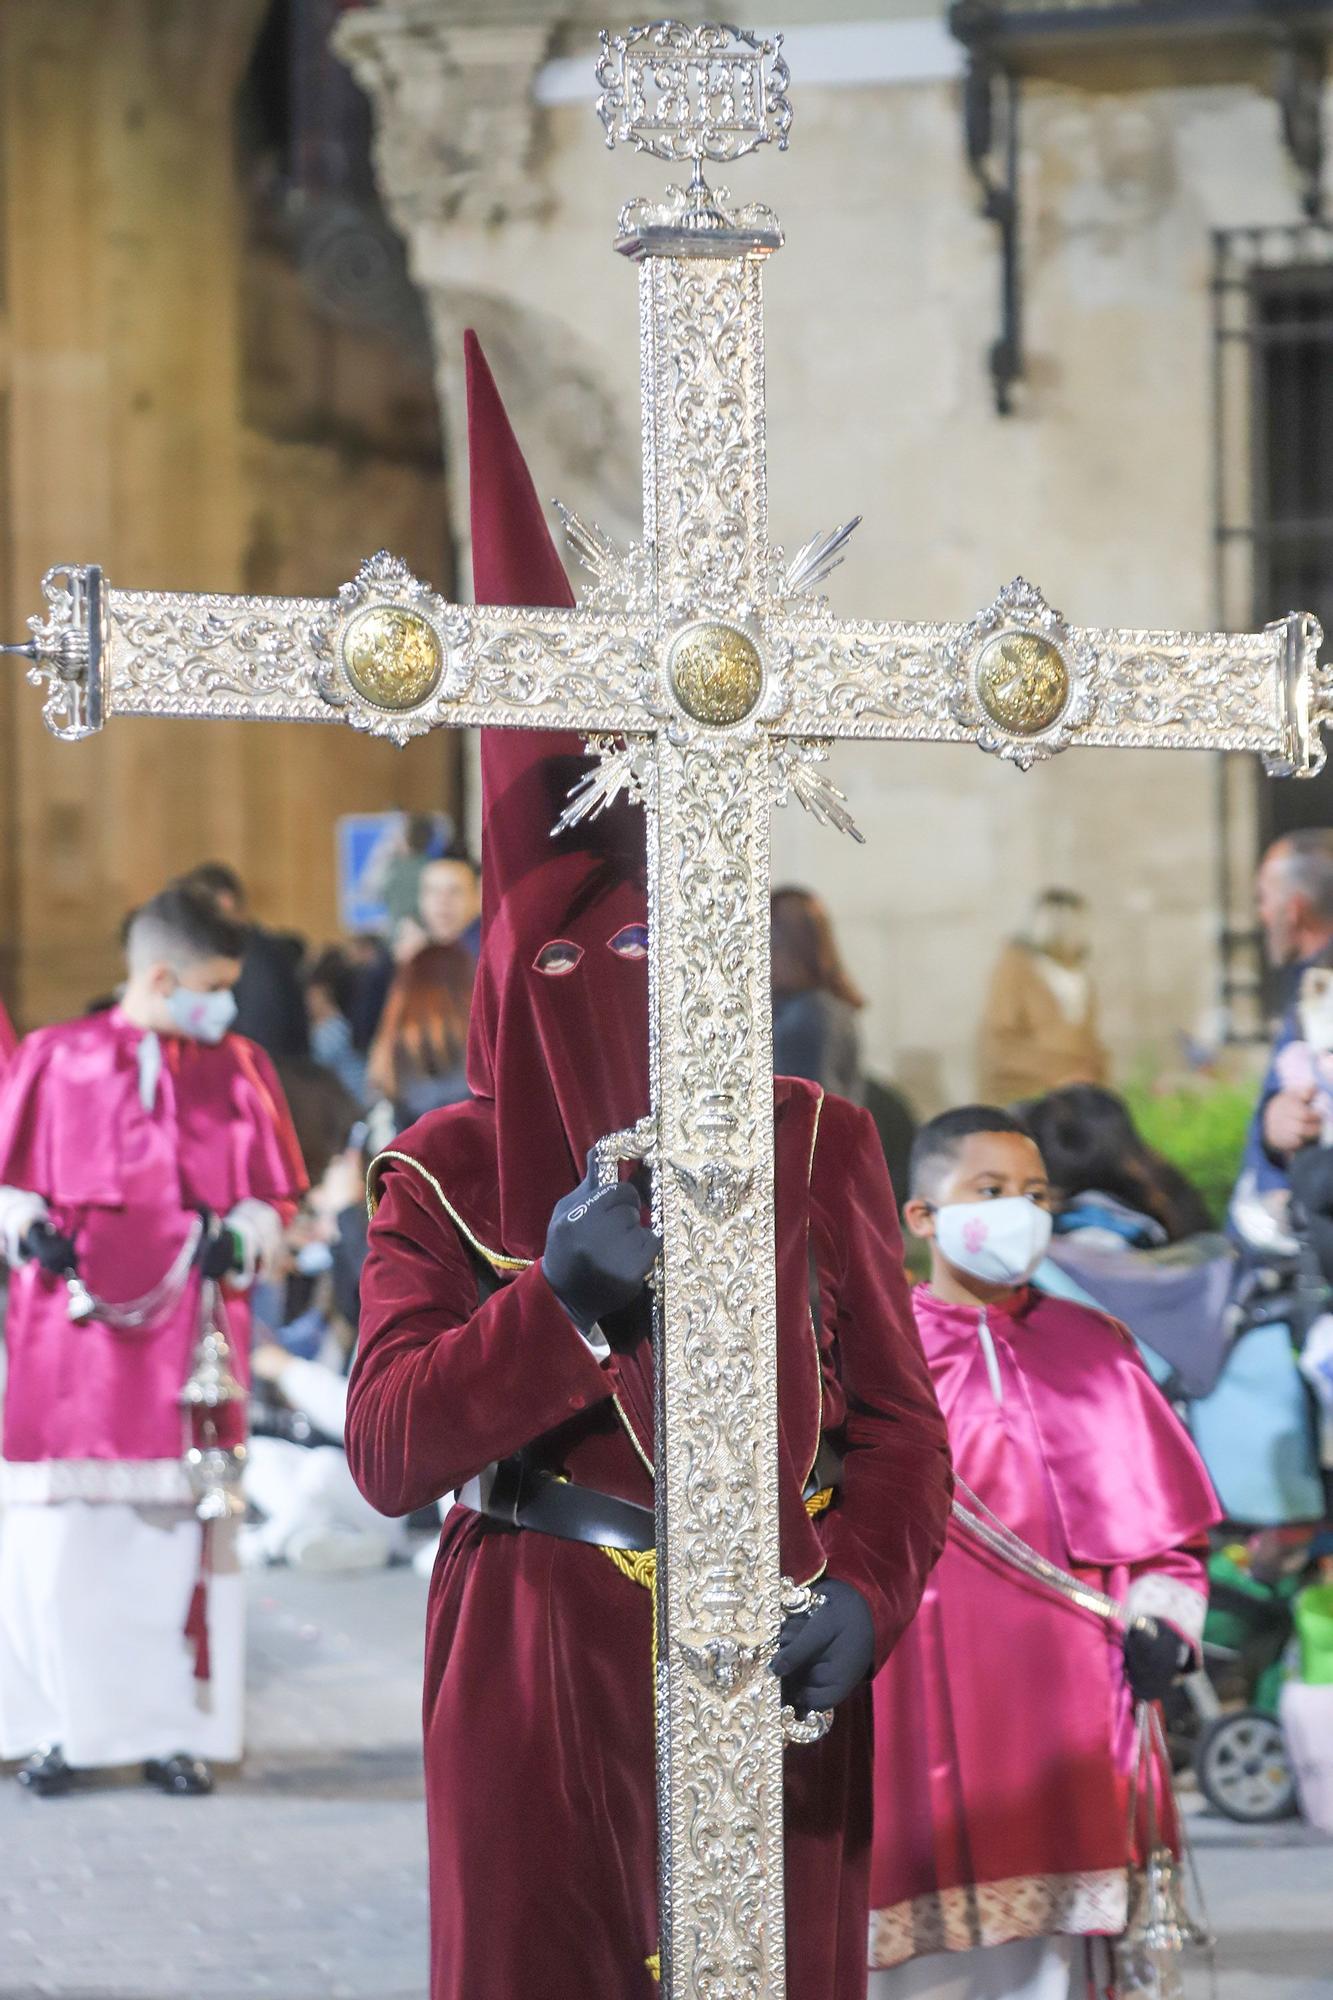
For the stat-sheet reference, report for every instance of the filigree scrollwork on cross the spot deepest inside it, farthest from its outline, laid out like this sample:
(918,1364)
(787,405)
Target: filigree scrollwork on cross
(715,1186)
(723,1663)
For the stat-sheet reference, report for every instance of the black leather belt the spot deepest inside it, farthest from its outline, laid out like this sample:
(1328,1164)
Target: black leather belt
(520,1495)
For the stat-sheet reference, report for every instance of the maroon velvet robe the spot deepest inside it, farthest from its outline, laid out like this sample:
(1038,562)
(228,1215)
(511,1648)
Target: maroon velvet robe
(538,1700)
(540,1765)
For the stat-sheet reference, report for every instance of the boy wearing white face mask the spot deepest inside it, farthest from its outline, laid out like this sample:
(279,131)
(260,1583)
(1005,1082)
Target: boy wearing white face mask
(1004,1730)
(143,1151)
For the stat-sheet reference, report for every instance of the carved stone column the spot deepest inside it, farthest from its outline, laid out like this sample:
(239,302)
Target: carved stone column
(456,119)
(460,155)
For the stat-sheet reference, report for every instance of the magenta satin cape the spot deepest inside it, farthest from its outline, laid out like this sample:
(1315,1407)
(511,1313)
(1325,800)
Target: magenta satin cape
(1003,1721)
(125,1184)
(538,1704)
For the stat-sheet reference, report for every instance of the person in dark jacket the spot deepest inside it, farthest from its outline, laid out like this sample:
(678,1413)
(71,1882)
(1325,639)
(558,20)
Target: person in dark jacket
(270,1003)
(815,1003)
(1294,900)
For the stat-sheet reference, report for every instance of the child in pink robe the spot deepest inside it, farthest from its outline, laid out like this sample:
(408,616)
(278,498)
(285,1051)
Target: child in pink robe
(1004,1739)
(123,1137)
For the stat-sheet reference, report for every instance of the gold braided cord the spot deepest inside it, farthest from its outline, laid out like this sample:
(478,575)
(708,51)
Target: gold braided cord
(639,1565)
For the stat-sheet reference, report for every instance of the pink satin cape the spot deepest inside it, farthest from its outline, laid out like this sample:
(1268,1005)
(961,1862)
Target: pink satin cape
(125,1183)
(1003,1722)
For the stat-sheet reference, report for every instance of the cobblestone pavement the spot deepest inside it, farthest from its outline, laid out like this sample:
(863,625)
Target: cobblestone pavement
(305,1878)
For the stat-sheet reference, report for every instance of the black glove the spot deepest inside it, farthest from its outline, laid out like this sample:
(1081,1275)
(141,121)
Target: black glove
(221,1254)
(1155,1658)
(824,1654)
(54,1252)
(598,1252)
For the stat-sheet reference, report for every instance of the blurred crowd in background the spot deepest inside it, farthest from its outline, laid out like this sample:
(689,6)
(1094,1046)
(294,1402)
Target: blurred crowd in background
(369,1033)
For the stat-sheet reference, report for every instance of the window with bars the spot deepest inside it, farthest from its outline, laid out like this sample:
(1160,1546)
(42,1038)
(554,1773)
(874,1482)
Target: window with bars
(1273,375)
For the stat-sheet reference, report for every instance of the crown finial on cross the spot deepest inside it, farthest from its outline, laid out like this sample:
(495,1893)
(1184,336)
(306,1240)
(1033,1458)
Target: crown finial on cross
(689,94)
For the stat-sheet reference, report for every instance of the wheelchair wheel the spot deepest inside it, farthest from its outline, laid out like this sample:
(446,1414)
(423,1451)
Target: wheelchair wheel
(1243,1768)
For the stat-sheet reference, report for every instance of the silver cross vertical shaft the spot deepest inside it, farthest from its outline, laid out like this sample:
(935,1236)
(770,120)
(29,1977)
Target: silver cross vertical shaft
(709,676)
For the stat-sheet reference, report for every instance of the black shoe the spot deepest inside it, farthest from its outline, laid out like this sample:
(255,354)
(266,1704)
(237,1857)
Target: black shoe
(185,1777)
(46,1774)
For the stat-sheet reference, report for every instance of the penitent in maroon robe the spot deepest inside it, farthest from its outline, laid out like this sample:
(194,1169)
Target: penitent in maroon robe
(540,1761)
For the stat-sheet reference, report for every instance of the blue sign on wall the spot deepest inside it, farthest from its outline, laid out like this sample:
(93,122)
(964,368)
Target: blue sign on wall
(368,846)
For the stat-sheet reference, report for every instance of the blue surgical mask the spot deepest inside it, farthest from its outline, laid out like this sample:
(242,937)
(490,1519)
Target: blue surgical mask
(204,1017)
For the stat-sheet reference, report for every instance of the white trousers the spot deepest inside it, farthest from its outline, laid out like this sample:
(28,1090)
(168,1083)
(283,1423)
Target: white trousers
(309,1490)
(93,1654)
(1046,1968)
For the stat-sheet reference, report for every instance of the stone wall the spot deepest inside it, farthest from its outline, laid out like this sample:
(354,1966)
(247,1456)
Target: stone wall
(133,433)
(880,310)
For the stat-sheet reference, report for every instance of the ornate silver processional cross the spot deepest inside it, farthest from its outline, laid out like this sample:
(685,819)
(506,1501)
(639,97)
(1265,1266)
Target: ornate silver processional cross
(709,677)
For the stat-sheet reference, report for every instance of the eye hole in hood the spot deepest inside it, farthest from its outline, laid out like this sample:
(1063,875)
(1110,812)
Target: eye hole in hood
(558,958)
(630,941)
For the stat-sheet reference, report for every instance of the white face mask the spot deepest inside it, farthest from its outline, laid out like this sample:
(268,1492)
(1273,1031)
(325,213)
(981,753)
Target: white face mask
(204,1017)
(1001,1242)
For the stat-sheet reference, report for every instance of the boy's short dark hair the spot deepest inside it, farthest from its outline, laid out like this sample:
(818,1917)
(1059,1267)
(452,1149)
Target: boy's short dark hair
(181,925)
(215,879)
(937,1143)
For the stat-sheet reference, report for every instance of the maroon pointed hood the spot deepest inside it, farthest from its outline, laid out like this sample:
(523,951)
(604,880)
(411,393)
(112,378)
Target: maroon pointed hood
(559,1037)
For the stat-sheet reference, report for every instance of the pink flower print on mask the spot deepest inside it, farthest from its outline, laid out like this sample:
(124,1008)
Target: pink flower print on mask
(974,1235)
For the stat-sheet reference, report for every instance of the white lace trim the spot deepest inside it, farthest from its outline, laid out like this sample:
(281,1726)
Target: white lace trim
(1092,1903)
(1157,1596)
(142,1482)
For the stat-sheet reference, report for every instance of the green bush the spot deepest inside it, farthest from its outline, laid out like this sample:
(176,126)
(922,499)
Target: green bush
(1200,1129)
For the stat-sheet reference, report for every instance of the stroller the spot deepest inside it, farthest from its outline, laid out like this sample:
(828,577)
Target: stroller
(1224,1720)
(1223,1336)
(1222,1332)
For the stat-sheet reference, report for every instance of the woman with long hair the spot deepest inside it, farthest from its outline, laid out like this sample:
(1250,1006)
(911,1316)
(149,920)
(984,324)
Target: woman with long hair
(815,1002)
(418,1059)
(1091,1147)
